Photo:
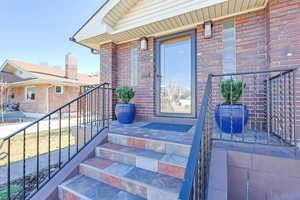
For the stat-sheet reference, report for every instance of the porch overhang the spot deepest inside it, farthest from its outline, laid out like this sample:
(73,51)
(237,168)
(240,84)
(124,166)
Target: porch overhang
(119,21)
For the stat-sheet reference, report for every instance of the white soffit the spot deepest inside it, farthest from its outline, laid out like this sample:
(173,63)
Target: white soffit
(124,20)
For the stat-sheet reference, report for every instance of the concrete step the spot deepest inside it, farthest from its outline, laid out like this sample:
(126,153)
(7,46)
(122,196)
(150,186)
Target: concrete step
(85,188)
(164,163)
(157,145)
(143,183)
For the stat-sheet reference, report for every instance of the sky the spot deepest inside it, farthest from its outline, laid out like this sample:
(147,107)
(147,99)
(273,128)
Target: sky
(38,31)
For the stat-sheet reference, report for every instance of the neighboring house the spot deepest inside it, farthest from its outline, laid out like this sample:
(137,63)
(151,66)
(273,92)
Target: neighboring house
(40,89)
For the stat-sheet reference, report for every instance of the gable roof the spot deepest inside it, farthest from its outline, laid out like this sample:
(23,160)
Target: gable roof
(50,74)
(124,20)
(6,77)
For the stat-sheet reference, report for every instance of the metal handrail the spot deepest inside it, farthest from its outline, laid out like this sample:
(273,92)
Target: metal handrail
(202,133)
(91,113)
(196,145)
(285,70)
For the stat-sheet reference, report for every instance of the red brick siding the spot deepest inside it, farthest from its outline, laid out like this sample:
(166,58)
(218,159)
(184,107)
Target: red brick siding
(284,40)
(123,64)
(251,41)
(146,75)
(144,96)
(209,57)
(263,39)
(108,59)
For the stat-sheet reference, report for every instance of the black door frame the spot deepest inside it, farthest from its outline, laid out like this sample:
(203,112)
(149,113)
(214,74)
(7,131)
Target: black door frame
(157,79)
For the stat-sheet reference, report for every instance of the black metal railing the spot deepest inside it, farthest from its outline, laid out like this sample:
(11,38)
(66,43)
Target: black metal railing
(268,112)
(269,96)
(33,155)
(196,173)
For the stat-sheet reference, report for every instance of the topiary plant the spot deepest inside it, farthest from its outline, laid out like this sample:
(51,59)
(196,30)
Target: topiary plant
(231,90)
(125,94)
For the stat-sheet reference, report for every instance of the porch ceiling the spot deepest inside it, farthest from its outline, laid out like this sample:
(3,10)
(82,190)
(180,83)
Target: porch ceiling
(125,20)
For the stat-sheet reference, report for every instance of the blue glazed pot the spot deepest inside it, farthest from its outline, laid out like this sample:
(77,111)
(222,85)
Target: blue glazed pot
(231,118)
(125,113)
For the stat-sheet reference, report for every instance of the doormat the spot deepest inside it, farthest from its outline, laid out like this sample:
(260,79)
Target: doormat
(168,127)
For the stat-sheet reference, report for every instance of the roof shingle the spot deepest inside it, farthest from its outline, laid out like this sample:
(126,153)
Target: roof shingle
(54,74)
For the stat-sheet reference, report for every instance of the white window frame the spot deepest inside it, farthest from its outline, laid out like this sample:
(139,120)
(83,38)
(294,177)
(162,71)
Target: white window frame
(25,93)
(62,89)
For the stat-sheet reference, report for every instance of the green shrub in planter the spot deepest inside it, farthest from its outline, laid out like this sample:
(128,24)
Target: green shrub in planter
(231,90)
(230,116)
(125,112)
(125,94)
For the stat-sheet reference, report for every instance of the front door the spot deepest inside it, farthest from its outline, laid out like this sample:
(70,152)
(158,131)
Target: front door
(175,75)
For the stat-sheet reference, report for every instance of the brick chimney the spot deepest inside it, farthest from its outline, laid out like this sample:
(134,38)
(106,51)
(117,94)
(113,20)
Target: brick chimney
(70,66)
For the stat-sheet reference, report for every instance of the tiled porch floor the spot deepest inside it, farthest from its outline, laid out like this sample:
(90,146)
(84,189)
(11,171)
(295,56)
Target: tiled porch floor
(136,130)
(249,136)
(249,141)
(268,150)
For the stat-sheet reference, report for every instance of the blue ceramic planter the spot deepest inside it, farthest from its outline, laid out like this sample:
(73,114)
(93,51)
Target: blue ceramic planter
(231,118)
(125,113)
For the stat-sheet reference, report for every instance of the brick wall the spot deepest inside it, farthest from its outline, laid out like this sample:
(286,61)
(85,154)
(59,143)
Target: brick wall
(209,57)
(120,56)
(268,38)
(251,41)
(284,41)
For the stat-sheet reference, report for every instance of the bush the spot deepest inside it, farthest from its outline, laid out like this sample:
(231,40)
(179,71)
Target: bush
(125,94)
(14,190)
(231,90)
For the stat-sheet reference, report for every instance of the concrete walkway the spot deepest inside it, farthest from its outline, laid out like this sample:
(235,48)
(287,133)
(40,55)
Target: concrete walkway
(43,125)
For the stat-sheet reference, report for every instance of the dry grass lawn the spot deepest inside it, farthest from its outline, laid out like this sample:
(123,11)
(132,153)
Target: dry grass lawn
(17,143)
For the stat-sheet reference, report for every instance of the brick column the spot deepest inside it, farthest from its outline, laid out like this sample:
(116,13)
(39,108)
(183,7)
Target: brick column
(209,59)
(284,41)
(146,82)
(108,63)
(108,71)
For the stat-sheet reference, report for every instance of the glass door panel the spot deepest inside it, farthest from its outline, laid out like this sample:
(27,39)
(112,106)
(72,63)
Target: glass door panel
(175,82)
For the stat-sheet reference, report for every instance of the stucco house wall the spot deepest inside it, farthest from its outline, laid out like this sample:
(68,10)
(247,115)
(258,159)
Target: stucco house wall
(33,106)
(56,100)
(40,104)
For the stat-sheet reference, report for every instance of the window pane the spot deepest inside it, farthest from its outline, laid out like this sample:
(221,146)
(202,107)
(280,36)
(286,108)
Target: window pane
(229,44)
(30,93)
(229,54)
(175,82)
(228,24)
(228,34)
(58,89)
(134,72)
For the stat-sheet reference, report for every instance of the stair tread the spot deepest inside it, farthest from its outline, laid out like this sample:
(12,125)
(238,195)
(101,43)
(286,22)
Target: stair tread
(171,158)
(89,188)
(184,139)
(135,174)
